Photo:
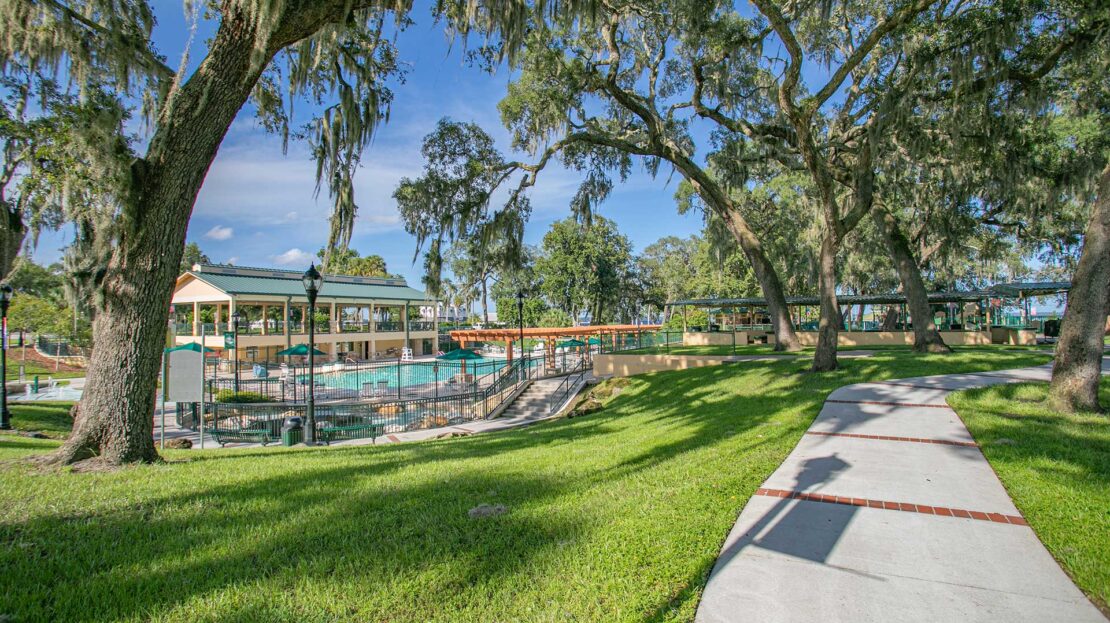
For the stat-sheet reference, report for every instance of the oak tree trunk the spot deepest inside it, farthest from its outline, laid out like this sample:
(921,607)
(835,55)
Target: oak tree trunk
(926,337)
(1079,351)
(769,283)
(12,233)
(824,359)
(115,417)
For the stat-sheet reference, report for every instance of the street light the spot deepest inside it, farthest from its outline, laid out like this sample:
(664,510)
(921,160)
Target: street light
(5,415)
(235,318)
(312,281)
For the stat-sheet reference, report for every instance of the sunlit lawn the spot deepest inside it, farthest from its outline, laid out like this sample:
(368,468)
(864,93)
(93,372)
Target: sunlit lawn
(616,516)
(50,418)
(1056,468)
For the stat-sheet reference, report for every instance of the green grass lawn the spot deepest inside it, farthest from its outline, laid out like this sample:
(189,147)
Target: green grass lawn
(51,418)
(616,516)
(1056,467)
(32,369)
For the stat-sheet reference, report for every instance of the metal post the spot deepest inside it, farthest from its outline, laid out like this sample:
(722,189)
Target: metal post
(5,414)
(310,401)
(235,349)
(165,377)
(203,361)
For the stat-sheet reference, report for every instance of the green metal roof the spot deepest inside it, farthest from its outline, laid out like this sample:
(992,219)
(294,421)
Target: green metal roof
(285,286)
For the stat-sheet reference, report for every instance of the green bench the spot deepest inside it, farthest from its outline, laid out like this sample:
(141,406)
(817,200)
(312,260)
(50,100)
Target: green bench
(243,435)
(353,431)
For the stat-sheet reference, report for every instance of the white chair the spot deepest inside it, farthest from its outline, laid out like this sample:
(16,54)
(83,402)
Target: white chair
(383,388)
(367,391)
(406,354)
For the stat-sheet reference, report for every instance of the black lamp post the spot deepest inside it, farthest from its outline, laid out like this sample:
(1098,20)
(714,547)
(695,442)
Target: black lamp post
(5,415)
(235,318)
(520,318)
(312,281)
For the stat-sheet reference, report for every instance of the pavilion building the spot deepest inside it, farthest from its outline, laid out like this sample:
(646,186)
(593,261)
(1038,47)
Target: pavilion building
(356,317)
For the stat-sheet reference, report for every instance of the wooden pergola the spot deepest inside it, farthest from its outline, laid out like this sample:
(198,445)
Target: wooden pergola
(463,336)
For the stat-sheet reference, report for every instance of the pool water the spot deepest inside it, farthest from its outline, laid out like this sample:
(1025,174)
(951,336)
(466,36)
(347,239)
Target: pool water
(407,374)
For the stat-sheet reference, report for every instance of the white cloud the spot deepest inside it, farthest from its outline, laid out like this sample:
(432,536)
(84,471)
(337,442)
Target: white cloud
(220,232)
(234,259)
(293,256)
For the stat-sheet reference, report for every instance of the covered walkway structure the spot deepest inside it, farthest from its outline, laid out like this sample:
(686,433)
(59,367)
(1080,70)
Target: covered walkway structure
(970,317)
(616,336)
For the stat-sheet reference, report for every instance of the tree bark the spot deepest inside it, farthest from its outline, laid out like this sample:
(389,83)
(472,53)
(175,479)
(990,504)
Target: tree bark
(1079,351)
(12,233)
(824,359)
(485,303)
(778,311)
(926,337)
(115,417)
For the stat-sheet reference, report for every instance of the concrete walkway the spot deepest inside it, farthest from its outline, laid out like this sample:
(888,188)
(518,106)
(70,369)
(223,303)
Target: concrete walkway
(886,510)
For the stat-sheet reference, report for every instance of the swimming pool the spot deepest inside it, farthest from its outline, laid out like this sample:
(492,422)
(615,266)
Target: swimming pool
(408,374)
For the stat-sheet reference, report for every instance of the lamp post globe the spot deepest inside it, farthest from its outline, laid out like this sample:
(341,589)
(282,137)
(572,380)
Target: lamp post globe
(312,281)
(5,415)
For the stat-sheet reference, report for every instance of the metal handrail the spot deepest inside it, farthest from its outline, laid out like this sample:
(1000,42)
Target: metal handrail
(560,399)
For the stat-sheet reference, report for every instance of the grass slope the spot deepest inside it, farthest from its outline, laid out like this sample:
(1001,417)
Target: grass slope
(1056,467)
(617,516)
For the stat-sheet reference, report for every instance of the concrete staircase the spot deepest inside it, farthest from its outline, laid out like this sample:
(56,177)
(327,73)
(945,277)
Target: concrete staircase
(535,402)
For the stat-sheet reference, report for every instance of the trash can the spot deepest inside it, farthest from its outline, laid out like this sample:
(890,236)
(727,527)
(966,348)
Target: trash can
(292,432)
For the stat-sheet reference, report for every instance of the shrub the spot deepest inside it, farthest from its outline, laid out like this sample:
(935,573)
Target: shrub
(694,318)
(230,395)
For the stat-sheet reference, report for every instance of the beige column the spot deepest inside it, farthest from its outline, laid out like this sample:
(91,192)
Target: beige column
(435,328)
(334,320)
(373,333)
(285,319)
(196,319)
(230,313)
(304,318)
(265,319)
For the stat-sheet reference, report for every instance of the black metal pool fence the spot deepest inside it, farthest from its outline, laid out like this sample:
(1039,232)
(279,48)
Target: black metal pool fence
(372,417)
(383,397)
(400,380)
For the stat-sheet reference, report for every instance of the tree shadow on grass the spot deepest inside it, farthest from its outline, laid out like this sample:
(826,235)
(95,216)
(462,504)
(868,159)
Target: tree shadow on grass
(1021,431)
(345,519)
(333,526)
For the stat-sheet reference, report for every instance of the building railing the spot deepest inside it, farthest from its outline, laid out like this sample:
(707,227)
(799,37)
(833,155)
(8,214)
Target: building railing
(421,325)
(385,326)
(355,326)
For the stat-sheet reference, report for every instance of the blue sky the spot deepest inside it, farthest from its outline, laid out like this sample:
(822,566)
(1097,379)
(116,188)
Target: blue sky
(257,206)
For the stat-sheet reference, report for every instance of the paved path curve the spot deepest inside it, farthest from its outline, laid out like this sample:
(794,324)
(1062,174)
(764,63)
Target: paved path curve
(886,510)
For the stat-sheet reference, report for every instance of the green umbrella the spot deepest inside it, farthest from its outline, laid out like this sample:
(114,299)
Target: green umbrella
(593,341)
(193,346)
(570,344)
(300,350)
(461,354)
